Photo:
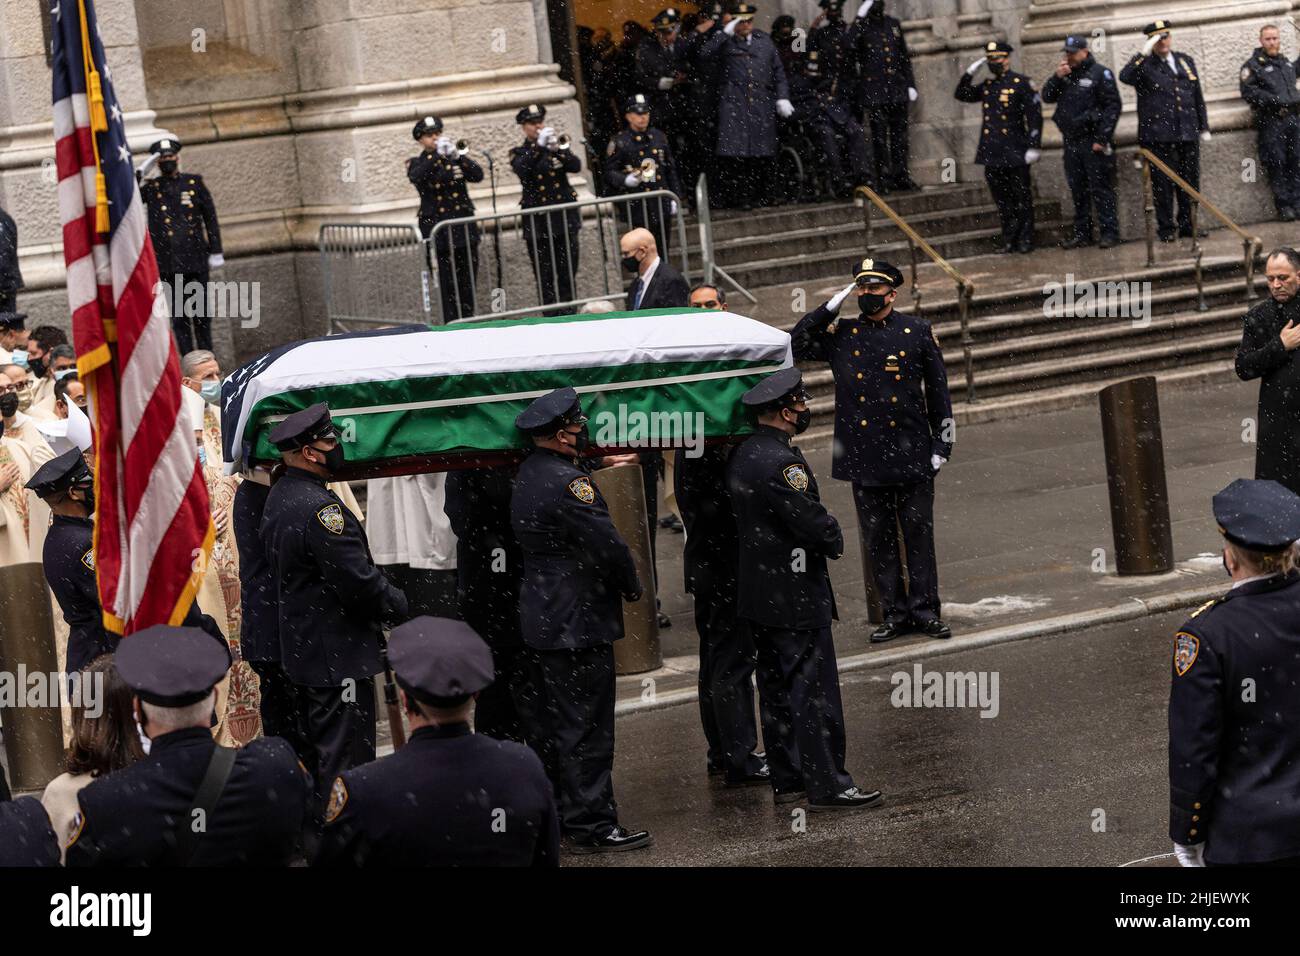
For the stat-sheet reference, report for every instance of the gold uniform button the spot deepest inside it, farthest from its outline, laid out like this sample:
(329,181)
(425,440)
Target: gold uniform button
(898,378)
(854,330)
(894,399)
(908,331)
(892,424)
(1195,818)
(1196,806)
(857,351)
(1191,833)
(864,423)
(859,375)
(902,353)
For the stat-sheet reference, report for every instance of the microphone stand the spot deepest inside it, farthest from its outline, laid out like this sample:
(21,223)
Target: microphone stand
(496,223)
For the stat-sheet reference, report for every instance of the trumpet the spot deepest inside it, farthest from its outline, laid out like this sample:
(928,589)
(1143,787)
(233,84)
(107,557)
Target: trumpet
(649,169)
(563,141)
(462,145)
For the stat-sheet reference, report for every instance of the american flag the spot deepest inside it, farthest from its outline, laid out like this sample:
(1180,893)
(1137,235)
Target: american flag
(153,530)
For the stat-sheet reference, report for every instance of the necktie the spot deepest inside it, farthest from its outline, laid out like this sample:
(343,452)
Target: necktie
(637,292)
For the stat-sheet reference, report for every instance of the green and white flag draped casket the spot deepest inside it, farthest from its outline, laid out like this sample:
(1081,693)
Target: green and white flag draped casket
(416,399)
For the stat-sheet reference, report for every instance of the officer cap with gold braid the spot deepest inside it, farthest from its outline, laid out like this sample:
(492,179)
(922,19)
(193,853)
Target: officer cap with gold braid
(997,49)
(1160,26)
(744,11)
(867,271)
(1258,514)
(666,19)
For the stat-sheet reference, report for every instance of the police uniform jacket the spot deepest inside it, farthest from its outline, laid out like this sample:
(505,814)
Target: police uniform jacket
(26,836)
(884,63)
(11,278)
(576,567)
(132,816)
(892,407)
(1087,103)
(332,598)
(1261,355)
(1269,85)
(1171,107)
(489,561)
(831,43)
(628,149)
(448,798)
(441,182)
(1234,725)
(69,561)
(751,80)
(1013,117)
(653,61)
(182,223)
(705,74)
(816,104)
(259,635)
(786,535)
(712,545)
(543,175)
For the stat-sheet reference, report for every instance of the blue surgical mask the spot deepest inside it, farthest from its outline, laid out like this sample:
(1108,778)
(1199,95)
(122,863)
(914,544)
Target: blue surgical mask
(211,392)
(19,358)
(64,373)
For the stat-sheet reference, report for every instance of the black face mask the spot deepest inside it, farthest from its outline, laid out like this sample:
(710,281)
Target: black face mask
(167,166)
(631,263)
(581,440)
(88,492)
(802,420)
(997,69)
(8,404)
(869,303)
(37,366)
(334,458)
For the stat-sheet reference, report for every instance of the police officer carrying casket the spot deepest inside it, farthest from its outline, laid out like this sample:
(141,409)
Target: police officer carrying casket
(186,242)
(639,159)
(1009,140)
(893,432)
(440,174)
(1087,109)
(542,164)
(1234,715)
(577,570)
(1171,120)
(250,800)
(1268,84)
(885,87)
(450,796)
(784,596)
(332,599)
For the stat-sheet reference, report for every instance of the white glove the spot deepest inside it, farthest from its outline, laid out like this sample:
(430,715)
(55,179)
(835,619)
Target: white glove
(445,146)
(862,10)
(672,207)
(1190,855)
(911,94)
(216,260)
(785,108)
(730,28)
(1032,156)
(632,179)
(545,136)
(665,82)
(975,67)
(937,461)
(1150,44)
(1205,136)
(838,298)
(147,165)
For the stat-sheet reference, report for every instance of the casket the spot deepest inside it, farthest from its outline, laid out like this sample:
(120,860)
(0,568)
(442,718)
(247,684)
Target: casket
(419,399)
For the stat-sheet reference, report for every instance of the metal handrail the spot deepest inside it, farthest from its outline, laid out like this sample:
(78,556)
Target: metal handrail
(1251,245)
(704,220)
(965,288)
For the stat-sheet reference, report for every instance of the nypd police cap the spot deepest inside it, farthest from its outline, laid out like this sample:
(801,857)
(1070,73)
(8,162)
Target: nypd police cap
(439,661)
(59,474)
(171,666)
(552,410)
(1258,514)
(303,428)
(775,388)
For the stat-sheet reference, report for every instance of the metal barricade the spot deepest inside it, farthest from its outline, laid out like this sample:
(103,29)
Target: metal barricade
(704,221)
(373,274)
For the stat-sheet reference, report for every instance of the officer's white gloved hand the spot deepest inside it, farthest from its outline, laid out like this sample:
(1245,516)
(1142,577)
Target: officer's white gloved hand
(1150,44)
(665,82)
(216,260)
(147,165)
(730,28)
(862,10)
(1205,136)
(545,136)
(785,108)
(911,94)
(975,67)
(937,461)
(445,146)
(838,298)
(1190,855)
(672,207)
(1032,156)
(631,179)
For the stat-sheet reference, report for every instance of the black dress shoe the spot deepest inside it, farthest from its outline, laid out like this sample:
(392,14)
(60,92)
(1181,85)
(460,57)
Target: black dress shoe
(886,632)
(1024,247)
(614,841)
(716,770)
(788,796)
(850,799)
(936,629)
(1107,243)
(1006,248)
(760,776)
(1167,237)
(1076,242)
(665,621)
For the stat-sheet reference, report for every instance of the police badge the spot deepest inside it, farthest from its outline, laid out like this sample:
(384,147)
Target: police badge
(88,559)
(582,490)
(796,476)
(1186,647)
(338,800)
(331,516)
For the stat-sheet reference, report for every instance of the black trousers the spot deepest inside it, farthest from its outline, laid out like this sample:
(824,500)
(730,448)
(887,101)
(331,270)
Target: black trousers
(553,249)
(845,152)
(1185,160)
(746,180)
(576,710)
(882,510)
(457,269)
(889,144)
(1011,189)
(801,710)
(428,591)
(338,734)
(192,331)
(277,704)
(1091,177)
(1279,154)
(726,690)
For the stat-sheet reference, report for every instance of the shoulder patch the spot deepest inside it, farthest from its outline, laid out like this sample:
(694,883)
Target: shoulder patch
(796,476)
(1205,607)
(1245,73)
(1186,647)
(611,149)
(1106,73)
(338,800)
(88,559)
(78,824)
(582,490)
(331,516)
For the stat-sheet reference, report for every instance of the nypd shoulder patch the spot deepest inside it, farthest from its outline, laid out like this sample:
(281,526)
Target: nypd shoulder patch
(337,801)
(88,559)
(1186,647)
(796,476)
(78,824)
(581,489)
(1245,73)
(331,516)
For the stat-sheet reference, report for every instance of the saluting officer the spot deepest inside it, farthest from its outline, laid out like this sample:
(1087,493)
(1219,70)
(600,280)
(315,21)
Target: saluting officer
(332,599)
(450,796)
(186,241)
(886,86)
(440,174)
(543,167)
(1234,715)
(893,432)
(639,159)
(1087,109)
(661,72)
(705,74)
(577,570)
(784,596)
(1268,84)
(1171,119)
(1009,140)
(251,800)
(828,37)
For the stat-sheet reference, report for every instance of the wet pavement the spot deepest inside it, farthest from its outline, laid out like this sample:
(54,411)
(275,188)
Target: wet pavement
(1071,771)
